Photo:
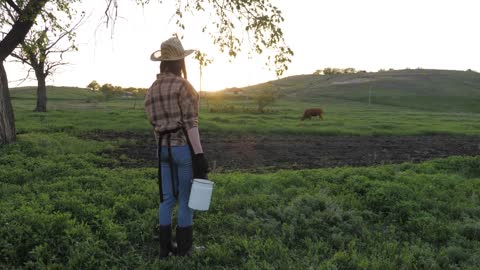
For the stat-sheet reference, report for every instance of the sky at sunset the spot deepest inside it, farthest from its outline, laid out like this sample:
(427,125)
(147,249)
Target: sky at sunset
(367,35)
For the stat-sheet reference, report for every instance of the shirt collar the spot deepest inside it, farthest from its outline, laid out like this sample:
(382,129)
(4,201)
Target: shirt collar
(165,74)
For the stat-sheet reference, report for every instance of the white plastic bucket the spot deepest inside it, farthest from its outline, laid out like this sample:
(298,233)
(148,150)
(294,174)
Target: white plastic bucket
(200,194)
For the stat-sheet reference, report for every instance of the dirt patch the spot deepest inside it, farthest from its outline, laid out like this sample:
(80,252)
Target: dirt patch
(265,153)
(276,152)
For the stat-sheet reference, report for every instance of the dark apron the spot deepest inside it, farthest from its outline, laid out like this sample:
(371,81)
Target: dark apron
(173,168)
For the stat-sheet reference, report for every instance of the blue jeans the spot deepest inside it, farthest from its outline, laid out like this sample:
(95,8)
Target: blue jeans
(182,161)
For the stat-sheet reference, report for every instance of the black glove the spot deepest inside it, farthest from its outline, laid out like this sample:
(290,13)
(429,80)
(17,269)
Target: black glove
(200,166)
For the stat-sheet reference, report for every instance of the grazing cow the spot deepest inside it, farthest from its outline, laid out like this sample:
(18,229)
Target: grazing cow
(309,113)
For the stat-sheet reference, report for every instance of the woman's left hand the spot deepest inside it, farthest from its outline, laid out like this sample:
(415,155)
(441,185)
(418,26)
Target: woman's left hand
(200,166)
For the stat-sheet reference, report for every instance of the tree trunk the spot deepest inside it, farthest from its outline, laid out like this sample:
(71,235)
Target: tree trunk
(41,94)
(9,42)
(7,122)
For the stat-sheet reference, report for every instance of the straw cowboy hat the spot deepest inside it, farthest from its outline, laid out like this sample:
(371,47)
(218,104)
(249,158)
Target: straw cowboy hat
(170,50)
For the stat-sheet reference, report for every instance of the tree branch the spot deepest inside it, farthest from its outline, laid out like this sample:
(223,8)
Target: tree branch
(20,81)
(14,6)
(115,6)
(50,67)
(60,51)
(67,32)
(19,57)
(10,14)
(20,28)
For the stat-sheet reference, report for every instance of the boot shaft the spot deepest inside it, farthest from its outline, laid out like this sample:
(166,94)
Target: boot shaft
(184,241)
(167,247)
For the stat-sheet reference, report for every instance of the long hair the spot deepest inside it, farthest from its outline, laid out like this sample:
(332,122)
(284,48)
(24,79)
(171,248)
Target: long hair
(176,67)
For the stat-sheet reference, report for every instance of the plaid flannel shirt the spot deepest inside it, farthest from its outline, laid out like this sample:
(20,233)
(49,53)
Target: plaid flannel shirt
(172,102)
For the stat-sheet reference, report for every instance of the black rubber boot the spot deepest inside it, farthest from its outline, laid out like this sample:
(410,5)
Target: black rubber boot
(167,247)
(184,241)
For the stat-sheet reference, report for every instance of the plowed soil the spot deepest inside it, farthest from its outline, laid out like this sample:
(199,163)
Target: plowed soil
(267,153)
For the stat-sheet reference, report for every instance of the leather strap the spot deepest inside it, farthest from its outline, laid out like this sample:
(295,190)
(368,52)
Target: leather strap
(173,170)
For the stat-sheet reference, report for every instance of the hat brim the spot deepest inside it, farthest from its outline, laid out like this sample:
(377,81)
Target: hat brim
(157,56)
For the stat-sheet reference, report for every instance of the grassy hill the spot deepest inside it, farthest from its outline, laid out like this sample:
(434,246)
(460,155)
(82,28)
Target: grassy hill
(431,90)
(59,98)
(53,93)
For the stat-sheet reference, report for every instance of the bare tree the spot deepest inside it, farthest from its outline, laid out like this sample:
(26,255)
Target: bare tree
(43,50)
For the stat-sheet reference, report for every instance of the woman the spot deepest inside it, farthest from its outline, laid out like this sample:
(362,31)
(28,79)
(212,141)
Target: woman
(171,105)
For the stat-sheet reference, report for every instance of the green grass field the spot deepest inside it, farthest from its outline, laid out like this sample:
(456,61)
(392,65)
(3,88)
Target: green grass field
(78,111)
(64,207)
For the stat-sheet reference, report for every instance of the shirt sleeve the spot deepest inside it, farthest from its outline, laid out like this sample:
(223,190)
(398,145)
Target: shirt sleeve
(149,106)
(188,102)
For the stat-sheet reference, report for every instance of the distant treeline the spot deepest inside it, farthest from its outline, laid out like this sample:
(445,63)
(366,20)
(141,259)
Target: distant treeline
(335,71)
(110,90)
(338,71)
